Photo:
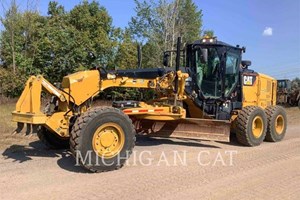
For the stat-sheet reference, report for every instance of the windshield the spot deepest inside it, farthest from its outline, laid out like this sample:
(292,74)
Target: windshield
(210,73)
(207,73)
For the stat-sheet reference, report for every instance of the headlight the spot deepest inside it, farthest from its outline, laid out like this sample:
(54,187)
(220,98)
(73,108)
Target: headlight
(111,76)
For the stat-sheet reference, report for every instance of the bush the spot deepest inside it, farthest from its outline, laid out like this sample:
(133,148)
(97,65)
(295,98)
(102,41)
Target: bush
(11,84)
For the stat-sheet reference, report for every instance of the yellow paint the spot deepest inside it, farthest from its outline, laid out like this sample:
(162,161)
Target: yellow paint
(194,111)
(108,140)
(165,112)
(279,124)
(262,93)
(257,126)
(30,99)
(181,85)
(82,85)
(29,118)
(59,124)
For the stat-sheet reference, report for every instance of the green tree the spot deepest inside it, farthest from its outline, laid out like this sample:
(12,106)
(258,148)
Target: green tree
(32,24)
(54,9)
(126,56)
(57,44)
(67,41)
(209,33)
(189,21)
(11,84)
(10,38)
(158,24)
(17,48)
(18,39)
(152,57)
(76,40)
(96,33)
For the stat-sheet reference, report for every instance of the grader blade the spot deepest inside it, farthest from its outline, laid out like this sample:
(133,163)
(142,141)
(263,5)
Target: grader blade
(202,129)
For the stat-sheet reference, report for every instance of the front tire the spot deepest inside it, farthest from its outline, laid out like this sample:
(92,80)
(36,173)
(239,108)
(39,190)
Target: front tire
(251,126)
(277,123)
(102,139)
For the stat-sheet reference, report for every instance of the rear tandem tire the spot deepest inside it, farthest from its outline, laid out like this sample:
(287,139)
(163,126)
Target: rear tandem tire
(52,140)
(251,126)
(277,123)
(102,139)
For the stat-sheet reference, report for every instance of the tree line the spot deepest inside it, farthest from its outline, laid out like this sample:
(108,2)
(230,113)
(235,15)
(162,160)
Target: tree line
(63,42)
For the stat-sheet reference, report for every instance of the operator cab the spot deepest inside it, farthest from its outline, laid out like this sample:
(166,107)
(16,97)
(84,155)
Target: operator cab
(215,66)
(215,70)
(215,75)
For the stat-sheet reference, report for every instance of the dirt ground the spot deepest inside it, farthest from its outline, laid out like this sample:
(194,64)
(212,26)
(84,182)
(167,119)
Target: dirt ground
(158,169)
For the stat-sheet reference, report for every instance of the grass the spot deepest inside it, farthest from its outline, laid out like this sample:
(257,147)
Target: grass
(6,124)
(7,140)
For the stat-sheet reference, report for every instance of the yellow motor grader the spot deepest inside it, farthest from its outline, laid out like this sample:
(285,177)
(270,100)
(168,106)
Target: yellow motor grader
(212,95)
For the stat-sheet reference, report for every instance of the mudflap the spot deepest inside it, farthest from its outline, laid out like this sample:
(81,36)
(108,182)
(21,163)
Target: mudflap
(189,128)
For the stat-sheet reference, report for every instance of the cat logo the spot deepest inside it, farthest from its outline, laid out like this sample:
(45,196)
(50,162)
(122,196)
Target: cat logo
(248,80)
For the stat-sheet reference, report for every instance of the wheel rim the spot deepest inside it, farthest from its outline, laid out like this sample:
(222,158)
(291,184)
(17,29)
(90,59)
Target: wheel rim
(279,124)
(257,126)
(108,140)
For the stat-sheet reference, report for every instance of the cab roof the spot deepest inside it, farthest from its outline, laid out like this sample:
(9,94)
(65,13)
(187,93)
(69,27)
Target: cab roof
(215,43)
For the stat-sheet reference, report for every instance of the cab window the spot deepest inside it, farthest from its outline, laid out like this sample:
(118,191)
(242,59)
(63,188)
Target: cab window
(232,71)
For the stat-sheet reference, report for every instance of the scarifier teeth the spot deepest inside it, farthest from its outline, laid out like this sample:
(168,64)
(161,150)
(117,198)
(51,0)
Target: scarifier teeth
(30,129)
(19,128)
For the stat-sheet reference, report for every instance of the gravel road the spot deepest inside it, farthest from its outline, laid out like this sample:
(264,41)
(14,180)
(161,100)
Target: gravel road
(159,169)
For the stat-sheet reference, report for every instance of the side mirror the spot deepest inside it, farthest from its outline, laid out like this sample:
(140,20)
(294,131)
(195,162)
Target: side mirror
(204,57)
(166,59)
(246,64)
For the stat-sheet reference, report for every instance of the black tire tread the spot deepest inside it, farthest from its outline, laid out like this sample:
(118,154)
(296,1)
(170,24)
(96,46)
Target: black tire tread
(82,121)
(242,124)
(270,110)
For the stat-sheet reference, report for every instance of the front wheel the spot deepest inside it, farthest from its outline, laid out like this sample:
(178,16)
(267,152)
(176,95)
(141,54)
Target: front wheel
(102,139)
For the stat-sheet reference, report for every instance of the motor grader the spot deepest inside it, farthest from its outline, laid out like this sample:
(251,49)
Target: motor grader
(208,95)
(288,93)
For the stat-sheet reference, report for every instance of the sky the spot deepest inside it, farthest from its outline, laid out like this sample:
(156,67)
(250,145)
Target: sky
(269,29)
